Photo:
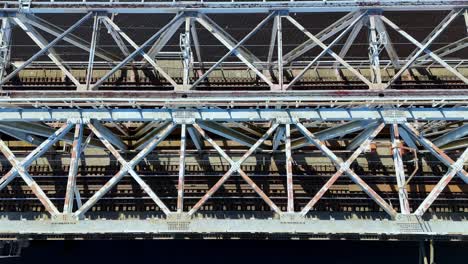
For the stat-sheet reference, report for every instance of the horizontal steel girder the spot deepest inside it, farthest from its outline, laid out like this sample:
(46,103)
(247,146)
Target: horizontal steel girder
(307,227)
(232,115)
(231,7)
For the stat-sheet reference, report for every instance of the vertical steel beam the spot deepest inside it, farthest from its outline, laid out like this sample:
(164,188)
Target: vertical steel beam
(5,46)
(45,49)
(279,32)
(440,186)
(448,137)
(196,44)
(180,185)
(186,46)
(235,166)
(437,152)
(92,50)
(342,166)
(392,54)
(271,49)
(195,138)
(127,167)
(73,169)
(374,59)
(289,172)
(399,169)
(466,20)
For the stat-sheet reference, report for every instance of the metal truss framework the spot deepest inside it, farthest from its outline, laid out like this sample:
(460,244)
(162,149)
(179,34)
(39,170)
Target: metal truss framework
(361,16)
(295,118)
(402,123)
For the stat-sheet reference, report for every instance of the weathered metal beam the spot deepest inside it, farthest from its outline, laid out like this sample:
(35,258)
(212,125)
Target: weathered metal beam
(436,151)
(326,49)
(45,49)
(23,136)
(227,132)
(36,153)
(35,188)
(235,166)
(76,41)
(127,167)
(448,137)
(73,169)
(41,130)
(335,132)
(11,115)
(341,165)
(114,139)
(289,170)
(233,48)
(42,43)
(399,169)
(454,168)
(352,175)
(180,183)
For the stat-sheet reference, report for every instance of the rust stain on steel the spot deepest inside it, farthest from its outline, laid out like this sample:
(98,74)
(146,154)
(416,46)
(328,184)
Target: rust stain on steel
(353,176)
(235,166)
(73,170)
(125,168)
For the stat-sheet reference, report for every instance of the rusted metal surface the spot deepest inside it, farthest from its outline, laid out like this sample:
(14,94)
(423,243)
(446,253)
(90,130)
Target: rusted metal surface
(399,169)
(73,170)
(235,166)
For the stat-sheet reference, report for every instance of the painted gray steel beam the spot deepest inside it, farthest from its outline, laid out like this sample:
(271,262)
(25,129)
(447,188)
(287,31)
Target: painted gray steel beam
(323,35)
(230,115)
(114,139)
(361,137)
(227,132)
(56,31)
(45,49)
(448,137)
(23,136)
(368,228)
(144,140)
(196,138)
(335,132)
(40,130)
(138,7)
(127,167)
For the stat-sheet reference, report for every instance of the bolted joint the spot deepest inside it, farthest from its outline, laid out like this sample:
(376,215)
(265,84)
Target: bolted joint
(79,120)
(65,218)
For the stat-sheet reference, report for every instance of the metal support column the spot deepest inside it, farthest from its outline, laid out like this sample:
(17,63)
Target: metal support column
(374,51)
(289,172)
(94,39)
(180,185)
(399,169)
(73,170)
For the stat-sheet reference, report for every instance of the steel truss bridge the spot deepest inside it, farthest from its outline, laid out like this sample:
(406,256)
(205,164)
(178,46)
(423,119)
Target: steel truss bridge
(234,119)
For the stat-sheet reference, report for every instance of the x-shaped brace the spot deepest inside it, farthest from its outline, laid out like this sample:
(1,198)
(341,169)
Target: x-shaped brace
(235,166)
(127,167)
(344,168)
